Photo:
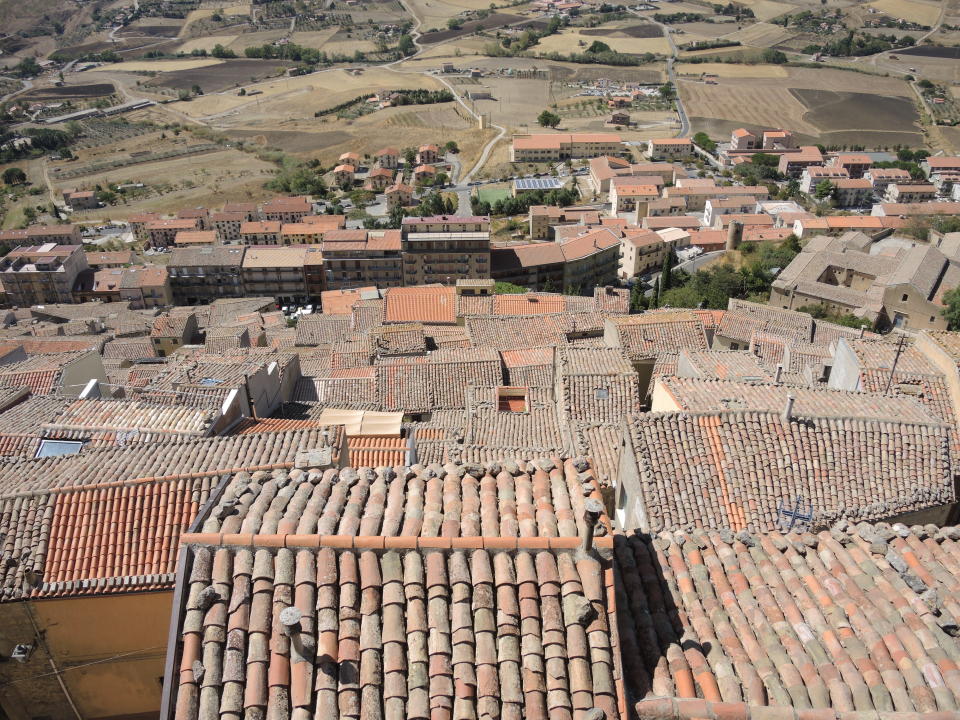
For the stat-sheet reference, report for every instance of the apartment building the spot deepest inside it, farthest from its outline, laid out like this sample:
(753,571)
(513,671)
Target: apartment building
(187,238)
(388,158)
(852,192)
(378,180)
(41,274)
(543,218)
(546,147)
(742,139)
(303,233)
(250,211)
(276,272)
(100,260)
(357,258)
(138,224)
(696,197)
(162,233)
(204,274)
(399,195)
(854,163)
(146,286)
(427,154)
(910,193)
(713,208)
(881,178)
(815,174)
(227,226)
(442,249)
(641,252)
(287,209)
(604,169)
(343,175)
(792,164)
(350,158)
(201,215)
(628,194)
(424,174)
(670,148)
(260,232)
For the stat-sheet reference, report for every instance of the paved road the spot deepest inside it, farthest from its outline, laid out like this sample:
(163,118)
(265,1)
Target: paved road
(671,75)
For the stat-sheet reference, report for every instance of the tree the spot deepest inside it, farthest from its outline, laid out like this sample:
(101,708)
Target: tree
(548,119)
(451,146)
(14,176)
(701,139)
(454,23)
(507,288)
(774,57)
(638,301)
(196,90)
(598,47)
(405,45)
(666,91)
(666,274)
(219,51)
(409,157)
(823,189)
(951,299)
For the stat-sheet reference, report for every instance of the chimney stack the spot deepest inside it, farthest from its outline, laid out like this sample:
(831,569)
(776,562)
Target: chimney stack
(734,234)
(591,514)
(788,410)
(776,378)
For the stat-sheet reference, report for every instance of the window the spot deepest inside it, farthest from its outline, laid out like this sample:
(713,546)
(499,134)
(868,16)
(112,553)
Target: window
(53,448)
(904,298)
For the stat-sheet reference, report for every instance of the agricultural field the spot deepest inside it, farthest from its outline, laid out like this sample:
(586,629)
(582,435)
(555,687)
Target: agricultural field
(574,39)
(918,11)
(826,106)
(435,13)
(731,70)
(496,20)
(760,34)
(208,178)
(69,92)
(222,76)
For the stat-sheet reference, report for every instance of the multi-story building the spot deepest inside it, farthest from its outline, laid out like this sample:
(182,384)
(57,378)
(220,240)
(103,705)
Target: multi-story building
(146,286)
(356,258)
(227,226)
(350,158)
(778,140)
(547,147)
(138,224)
(186,238)
(427,154)
(852,192)
(388,158)
(378,179)
(399,195)
(641,252)
(670,148)
(816,174)
(854,163)
(910,193)
(424,174)
(81,199)
(204,274)
(59,234)
(627,194)
(162,233)
(41,274)
(260,232)
(287,209)
(201,215)
(443,249)
(302,233)
(604,169)
(792,164)
(743,139)
(276,272)
(250,211)
(881,178)
(343,175)
(314,274)
(118,258)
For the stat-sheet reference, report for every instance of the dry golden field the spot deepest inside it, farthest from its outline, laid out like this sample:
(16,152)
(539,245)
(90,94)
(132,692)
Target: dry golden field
(918,11)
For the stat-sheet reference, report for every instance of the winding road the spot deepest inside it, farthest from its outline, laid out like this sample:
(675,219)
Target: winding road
(671,73)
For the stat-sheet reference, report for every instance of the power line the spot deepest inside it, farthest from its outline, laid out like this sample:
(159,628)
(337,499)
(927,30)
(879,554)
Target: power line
(83,665)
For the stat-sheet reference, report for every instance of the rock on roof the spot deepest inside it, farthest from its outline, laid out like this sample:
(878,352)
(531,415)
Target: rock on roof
(857,619)
(732,469)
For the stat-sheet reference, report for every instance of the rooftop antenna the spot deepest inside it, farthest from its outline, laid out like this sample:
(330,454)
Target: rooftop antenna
(801,512)
(901,342)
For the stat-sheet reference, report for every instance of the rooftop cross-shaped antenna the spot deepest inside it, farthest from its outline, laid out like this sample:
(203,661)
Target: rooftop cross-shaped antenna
(802,513)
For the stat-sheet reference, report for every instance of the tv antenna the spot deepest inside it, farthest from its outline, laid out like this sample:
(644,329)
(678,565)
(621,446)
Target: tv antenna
(800,513)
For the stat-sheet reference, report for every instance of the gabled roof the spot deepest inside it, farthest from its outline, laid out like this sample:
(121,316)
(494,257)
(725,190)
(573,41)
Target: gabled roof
(432,305)
(741,465)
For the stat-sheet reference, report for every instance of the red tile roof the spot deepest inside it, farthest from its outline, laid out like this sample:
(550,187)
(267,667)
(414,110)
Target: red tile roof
(429,305)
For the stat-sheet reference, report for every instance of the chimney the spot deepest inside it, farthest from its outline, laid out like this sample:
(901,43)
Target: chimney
(776,378)
(591,514)
(290,620)
(788,410)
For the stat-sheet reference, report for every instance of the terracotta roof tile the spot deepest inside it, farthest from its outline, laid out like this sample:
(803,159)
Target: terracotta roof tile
(433,305)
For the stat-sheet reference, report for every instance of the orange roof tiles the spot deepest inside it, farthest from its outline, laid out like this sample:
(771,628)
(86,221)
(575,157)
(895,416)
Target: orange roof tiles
(528,304)
(430,305)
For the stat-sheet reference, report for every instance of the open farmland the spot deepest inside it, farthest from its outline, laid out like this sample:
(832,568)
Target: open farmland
(731,70)
(828,106)
(70,92)
(163,66)
(496,20)
(299,97)
(768,9)
(760,35)
(918,11)
(577,40)
(222,76)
